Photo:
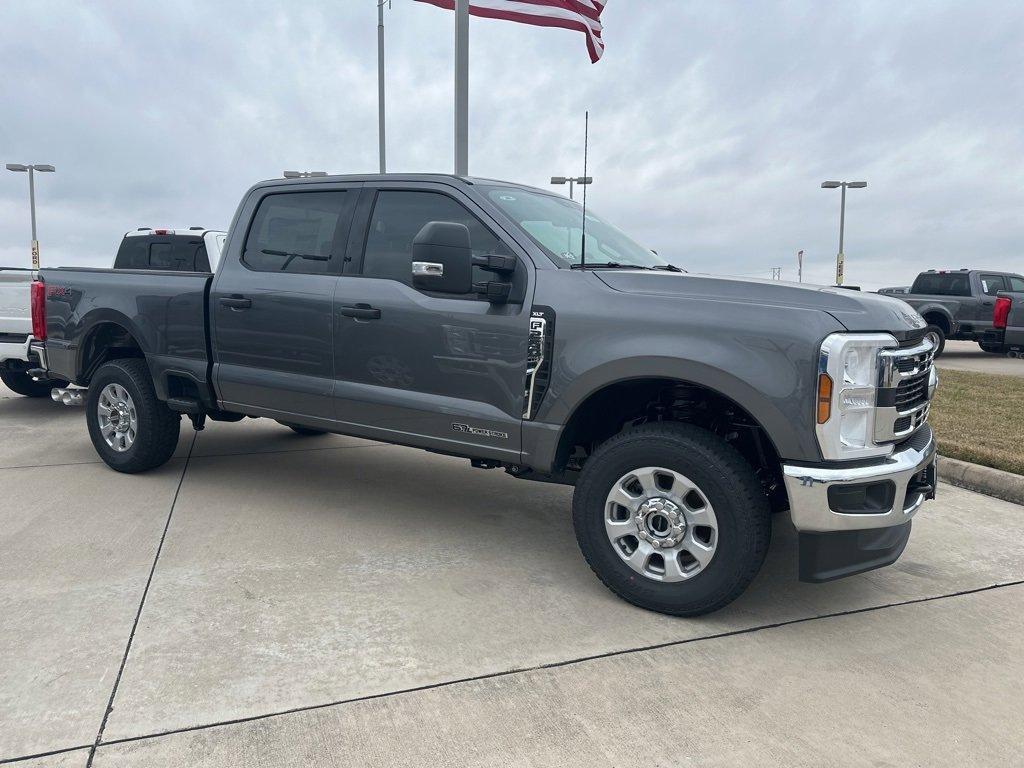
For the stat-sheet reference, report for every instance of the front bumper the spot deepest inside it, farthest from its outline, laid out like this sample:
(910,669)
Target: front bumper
(836,543)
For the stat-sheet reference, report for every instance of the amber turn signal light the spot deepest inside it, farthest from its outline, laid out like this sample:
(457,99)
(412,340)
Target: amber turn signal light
(824,397)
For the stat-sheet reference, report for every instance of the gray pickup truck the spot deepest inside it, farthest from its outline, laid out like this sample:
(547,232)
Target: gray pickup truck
(492,321)
(1007,332)
(958,304)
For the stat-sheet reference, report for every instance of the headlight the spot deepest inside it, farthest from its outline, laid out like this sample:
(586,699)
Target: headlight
(847,384)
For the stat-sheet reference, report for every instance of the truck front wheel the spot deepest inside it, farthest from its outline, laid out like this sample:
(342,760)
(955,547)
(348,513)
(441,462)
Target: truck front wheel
(937,337)
(130,428)
(671,518)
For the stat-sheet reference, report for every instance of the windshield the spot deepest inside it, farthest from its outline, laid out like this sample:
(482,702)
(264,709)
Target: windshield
(556,225)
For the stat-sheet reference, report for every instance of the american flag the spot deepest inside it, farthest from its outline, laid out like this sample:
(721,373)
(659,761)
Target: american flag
(581,15)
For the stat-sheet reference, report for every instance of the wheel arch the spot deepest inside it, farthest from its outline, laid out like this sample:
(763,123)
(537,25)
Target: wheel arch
(938,315)
(108,336)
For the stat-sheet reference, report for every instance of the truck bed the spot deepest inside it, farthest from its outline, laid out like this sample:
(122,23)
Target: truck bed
(164,312)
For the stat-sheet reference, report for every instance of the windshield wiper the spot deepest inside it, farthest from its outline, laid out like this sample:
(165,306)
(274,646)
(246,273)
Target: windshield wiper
(668,268)
(606,265)
(292,256)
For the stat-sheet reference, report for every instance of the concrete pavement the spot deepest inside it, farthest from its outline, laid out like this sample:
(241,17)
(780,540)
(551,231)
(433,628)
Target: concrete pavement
(329,601)
(967,356)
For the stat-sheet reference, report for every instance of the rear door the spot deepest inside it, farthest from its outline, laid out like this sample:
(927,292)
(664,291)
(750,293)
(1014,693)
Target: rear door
(435,370)
(271,302)
(989,286)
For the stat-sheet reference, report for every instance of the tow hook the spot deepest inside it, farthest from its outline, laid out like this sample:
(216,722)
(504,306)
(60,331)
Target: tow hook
(68,396)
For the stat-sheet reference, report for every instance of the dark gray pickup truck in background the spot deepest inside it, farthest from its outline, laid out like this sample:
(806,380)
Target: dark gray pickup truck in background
(958,304)
(1007,331)
(475,318)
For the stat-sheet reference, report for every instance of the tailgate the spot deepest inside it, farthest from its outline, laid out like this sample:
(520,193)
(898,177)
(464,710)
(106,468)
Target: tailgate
(15,313)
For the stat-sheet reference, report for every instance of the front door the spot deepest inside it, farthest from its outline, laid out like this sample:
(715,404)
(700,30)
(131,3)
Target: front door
(438,371)
(272,303)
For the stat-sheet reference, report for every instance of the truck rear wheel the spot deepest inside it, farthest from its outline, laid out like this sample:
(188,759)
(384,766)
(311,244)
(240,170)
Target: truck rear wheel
(23,384)
(992,349)
(671,518)
(298,429)
(130,428)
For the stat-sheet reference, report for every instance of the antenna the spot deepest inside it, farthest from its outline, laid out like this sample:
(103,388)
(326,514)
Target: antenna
(583,237)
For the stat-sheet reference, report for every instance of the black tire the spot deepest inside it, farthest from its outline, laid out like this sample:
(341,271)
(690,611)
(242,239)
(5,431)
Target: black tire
(158,426)
(992,349)
(298,429)
(23,384)
(724,477)
(938,332)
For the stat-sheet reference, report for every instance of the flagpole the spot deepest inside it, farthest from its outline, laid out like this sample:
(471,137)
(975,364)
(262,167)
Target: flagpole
(380,85)
(461,87)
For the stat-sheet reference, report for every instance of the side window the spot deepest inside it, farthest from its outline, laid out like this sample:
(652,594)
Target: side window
(992,284)
(296,232)
(1016,284)
(397,218)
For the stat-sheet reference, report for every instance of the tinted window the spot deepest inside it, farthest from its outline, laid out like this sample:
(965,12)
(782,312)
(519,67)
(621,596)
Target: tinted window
(942,284)
(173,252)
(992,284)
(556,225)
(296,232)
(1016,283)
(398,217)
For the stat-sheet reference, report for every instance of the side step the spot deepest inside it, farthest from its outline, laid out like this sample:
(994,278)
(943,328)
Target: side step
(188,405)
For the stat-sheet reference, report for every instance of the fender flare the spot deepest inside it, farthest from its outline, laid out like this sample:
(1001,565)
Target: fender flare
(789,440)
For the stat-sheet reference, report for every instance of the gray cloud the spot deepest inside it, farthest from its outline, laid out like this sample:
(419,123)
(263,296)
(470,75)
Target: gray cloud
(712,125)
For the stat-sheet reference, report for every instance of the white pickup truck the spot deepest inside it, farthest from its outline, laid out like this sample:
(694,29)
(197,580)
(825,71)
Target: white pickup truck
(16,359)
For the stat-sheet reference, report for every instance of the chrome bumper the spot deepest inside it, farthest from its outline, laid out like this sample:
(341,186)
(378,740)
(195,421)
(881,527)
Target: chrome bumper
(15,350)
(809,498)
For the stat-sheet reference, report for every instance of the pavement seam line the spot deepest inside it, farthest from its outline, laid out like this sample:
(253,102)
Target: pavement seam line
(142,603)
(550,665)
(37,755)
(209,455)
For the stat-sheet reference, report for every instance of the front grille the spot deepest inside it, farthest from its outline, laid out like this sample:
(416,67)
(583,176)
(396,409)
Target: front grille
(902,399)
(912,392)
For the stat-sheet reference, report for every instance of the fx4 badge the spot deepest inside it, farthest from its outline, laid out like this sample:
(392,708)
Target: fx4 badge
(479,431)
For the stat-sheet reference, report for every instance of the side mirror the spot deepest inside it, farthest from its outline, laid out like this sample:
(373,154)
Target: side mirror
(442,259)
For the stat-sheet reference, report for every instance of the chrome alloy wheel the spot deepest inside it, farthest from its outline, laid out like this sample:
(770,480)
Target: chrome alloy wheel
(119,423)
(661,524)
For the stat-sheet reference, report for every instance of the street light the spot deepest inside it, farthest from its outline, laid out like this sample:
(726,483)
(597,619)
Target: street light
(570,180)
(19,168)
(840,258)
(303,174)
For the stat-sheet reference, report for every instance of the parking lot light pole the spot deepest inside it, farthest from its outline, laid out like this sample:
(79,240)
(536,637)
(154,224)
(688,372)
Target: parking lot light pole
(840,258)
(31,169)
(570,180)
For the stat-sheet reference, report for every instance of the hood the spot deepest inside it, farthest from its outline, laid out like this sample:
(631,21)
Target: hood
(856,310)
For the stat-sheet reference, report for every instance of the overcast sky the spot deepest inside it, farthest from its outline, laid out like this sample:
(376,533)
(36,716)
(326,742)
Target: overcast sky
(712,123)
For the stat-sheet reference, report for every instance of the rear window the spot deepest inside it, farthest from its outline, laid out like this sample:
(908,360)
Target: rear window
(948,284)
(181,253)
(297,232)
